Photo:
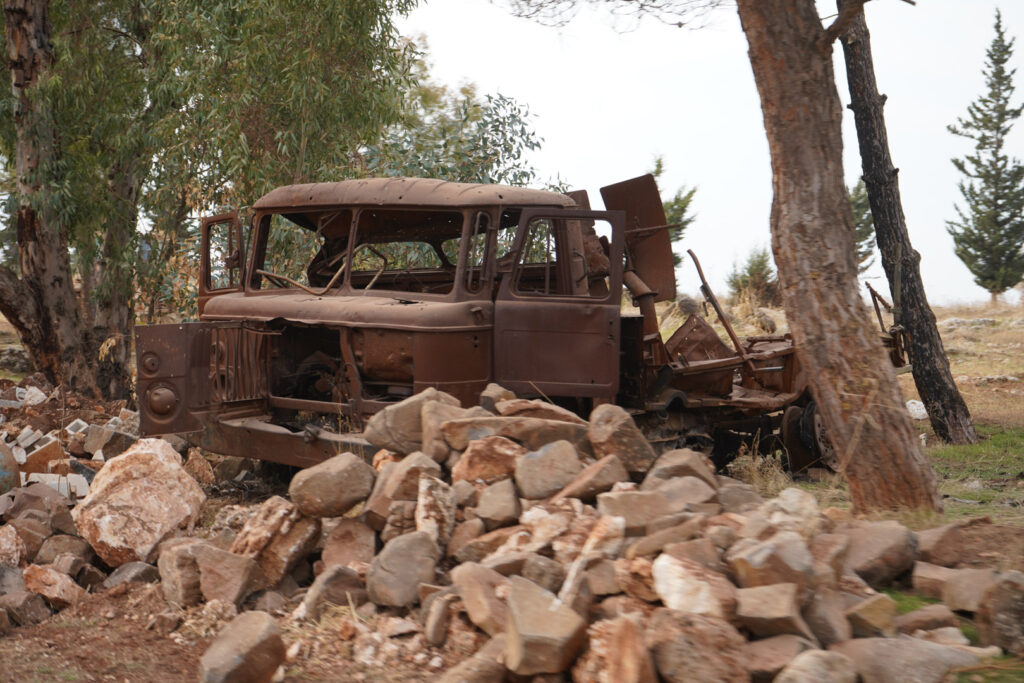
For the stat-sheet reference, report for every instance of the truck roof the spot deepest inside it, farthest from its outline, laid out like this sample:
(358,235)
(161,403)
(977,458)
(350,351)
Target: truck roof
(407,192)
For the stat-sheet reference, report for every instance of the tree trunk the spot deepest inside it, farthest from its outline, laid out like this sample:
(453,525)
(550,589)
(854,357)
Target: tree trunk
(813,240)
(41,304)
(946,408)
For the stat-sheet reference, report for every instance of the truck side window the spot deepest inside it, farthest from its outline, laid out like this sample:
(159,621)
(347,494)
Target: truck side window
(225,256)
(553,261)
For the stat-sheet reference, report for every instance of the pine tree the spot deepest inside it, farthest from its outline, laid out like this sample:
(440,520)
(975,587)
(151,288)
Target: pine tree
(989,235)
(863,225)
(677,209)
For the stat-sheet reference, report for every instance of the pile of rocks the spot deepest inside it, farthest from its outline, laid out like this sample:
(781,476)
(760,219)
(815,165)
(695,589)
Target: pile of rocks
(547,546)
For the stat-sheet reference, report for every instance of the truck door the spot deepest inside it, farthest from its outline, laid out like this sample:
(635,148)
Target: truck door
(222,257)
(556,333)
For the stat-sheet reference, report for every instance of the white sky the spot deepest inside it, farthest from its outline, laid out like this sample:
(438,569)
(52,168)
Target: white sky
(608,99)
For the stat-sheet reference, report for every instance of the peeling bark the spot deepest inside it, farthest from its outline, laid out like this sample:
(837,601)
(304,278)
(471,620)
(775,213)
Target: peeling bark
(946,408)
(813,241)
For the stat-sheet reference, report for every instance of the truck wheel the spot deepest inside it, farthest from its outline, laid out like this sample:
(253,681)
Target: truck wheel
(800,456)
(815,437)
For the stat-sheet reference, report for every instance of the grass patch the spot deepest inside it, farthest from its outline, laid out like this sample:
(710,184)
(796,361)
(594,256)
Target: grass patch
(908,602)
(999,454)
(996,670)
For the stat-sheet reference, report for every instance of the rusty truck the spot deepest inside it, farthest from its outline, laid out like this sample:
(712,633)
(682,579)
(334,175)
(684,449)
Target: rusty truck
(334,300)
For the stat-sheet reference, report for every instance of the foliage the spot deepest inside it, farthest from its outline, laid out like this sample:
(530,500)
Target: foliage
(677,208)
(756,281)
(989,232)
(864,226)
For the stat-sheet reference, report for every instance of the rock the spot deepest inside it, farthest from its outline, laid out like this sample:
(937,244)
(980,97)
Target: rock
(33,533)
(766,658)
(58,589)
(9,477)
(615,654)
(432,415)
(941,545)
(401,520)
(485,666)
(498,505)
(881,551)
(25,608)
(543,571)
(531,432)
(435,625)
(684,493)
(700,550)
(492,395)
(874,616)
(689,587)
(595,478)
(12,548)
(682,462)
(278,537)
(11,580)
(403,482)
(825,615)
(963,590)
(783,558)
(332,487)
(179,573)
(613,432)
(488,460)
(828,553)
(1000,613)
(138,500)
(795,510)
(375,511)
(132,572)
(59,544)
(543,473)
(89,577)
(226,576)
(917,410)
(771,610)
(601,578)
(464,533)
(399,569)
(636,578)
(930,579)
(350,544)
(680,644)
(464,493)
(543,635)
(482,591)
(199,468)
(739,497)
(637,508)
(818,666)
(336,585)
(480,547)
(926,618)
(902,660)
(250,648)
(399,427)
(5,622)
(435,510)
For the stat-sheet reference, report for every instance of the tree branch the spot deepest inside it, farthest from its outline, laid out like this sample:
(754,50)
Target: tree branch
(848,11)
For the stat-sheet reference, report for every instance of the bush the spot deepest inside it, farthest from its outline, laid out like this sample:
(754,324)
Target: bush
(755,283)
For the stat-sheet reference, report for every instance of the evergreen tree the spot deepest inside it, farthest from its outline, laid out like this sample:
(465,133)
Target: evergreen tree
(989,235)
(863,225)
(677,209)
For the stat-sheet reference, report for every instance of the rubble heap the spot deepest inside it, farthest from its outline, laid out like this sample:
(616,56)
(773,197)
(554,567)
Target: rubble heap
(545,545)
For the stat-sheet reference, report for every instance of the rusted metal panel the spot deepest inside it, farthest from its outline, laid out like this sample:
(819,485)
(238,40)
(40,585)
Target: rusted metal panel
(164,359)
(650,249)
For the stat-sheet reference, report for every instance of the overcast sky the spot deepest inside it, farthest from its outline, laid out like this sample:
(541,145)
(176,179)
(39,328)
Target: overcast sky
(609,95)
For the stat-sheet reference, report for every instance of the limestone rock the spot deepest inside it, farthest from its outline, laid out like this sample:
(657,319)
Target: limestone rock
(485,666)
(138,500)
(132,572)
(432,415)
(941,545)
(637,508)
(543,571)
(543,635)
(613,432)
(336,585)
(595,478)
(874,616)
(481,590)
(63,543)
(32,531)
(682,462)
(963,590)
(783,558)
(636,578)
(543,473)
(249,649)
(615,654)
(492,395)
(278,537)
(350,544)
(766,658)
(12,548)
(199,468)
(795,510)
(926,618)
(1000,613)
(478,548)
(332,487)
(488,460)
(930,579)
(399,427)
(399,569)
(825,615)
(818,666)
(435,510)
(902,660)
(689,587)
(881,551)
(771,611)
(739,497)
(463,533)
(498,505)
(531,432)
(680,644)
(179,573)
(25,608)
(226,576)
(58,589)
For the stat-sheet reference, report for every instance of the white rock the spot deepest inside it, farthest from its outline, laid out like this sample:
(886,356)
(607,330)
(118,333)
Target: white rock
(916,410)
